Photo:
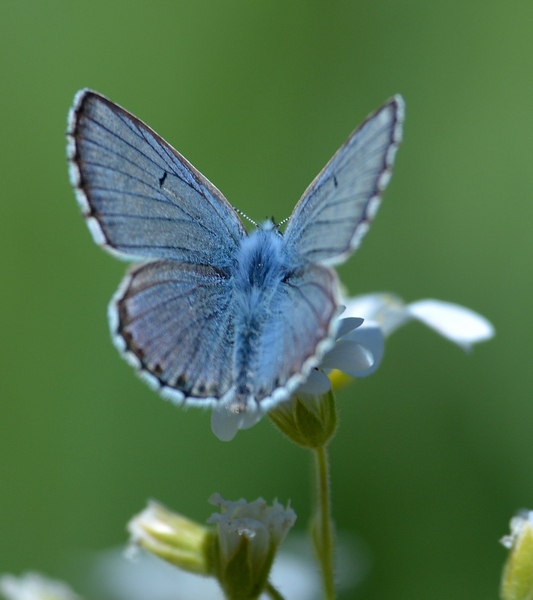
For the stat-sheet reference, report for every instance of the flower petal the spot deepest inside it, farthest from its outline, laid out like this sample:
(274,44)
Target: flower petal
(347,325)
(388,310)
(250,518)
(371,337)
(317,383)
(226,419)
(348,356)
(456,323)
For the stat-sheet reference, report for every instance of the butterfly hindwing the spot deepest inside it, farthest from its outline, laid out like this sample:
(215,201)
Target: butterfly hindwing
(174,321)
(299,330)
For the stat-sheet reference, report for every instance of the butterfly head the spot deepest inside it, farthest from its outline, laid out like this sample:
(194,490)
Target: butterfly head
(269,225)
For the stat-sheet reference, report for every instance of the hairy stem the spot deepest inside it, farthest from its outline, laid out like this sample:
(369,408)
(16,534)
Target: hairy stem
(322,529)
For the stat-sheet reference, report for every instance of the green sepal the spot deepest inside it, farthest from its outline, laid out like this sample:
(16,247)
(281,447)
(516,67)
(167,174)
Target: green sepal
(309,421)
(238,577)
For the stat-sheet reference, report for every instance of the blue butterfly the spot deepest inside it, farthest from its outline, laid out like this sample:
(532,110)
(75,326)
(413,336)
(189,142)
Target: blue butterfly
(212,315)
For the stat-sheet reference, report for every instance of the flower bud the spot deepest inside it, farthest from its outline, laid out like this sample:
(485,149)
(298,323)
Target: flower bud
(174,538)
(517,579)
(308,420)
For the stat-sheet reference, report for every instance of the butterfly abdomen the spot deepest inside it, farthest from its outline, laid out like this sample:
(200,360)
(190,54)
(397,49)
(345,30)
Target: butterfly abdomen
(258,283)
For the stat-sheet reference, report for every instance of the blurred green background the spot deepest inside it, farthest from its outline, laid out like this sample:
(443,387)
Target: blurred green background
(434,452)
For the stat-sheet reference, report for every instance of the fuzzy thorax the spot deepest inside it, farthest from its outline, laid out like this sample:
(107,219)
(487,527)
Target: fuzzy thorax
(259,278)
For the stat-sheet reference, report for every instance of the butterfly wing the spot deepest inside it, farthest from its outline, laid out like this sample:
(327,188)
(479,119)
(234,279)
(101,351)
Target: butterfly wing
(173,321)
(334,213)
(296,331)
(140,197)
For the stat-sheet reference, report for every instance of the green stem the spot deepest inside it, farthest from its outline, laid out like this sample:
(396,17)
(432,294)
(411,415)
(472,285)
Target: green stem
(323,536)
(272,592)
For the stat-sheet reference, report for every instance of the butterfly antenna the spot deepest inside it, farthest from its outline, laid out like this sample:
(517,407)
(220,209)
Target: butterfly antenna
(245,216)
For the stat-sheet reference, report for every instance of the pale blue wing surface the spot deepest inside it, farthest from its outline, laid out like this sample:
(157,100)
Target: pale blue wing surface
(336,210)
(140,197)
(174,321)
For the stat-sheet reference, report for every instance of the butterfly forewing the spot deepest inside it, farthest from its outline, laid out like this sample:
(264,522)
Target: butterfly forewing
(141,198)
(334,213)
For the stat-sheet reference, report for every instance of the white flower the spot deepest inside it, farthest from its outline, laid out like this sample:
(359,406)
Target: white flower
(249,534)
(33,586)
(265,525)
(457,323)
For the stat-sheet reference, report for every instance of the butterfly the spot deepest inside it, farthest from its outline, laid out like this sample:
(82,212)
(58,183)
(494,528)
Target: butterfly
(209,314)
